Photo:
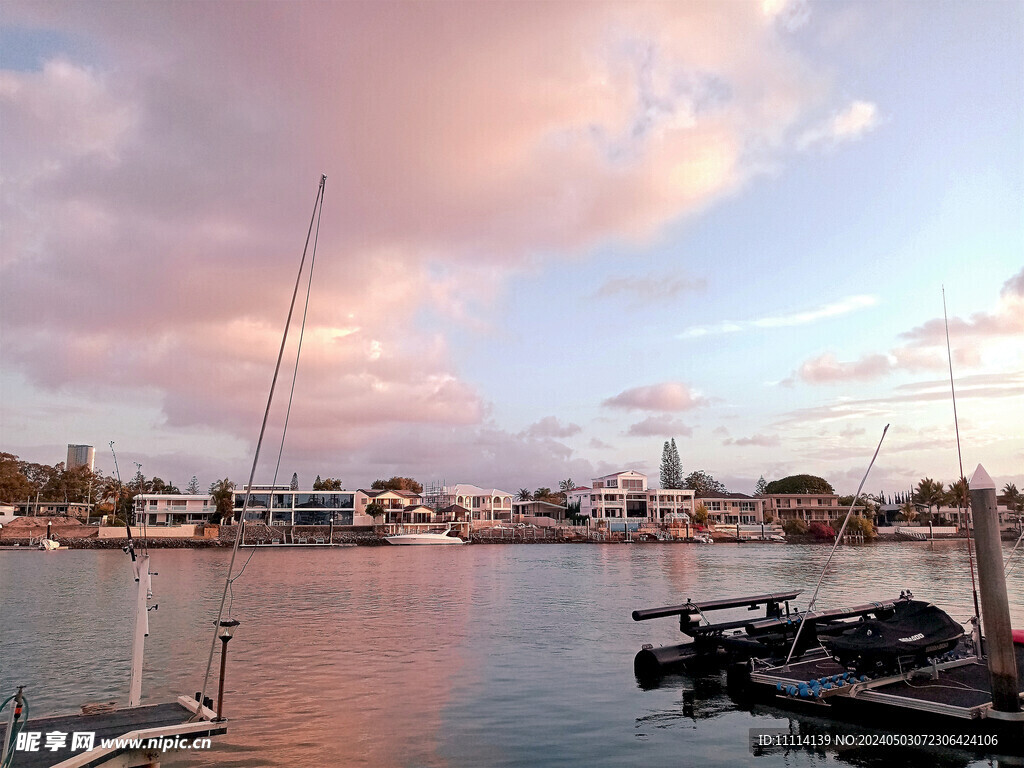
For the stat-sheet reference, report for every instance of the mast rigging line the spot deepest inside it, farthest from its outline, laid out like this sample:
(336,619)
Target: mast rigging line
(835,546)
(291,394)
(317,206)
(959,456)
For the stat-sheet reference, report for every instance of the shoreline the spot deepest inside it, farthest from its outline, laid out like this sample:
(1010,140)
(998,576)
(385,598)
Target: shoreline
(345,540)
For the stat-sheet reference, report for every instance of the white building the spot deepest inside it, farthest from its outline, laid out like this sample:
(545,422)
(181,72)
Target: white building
(173,508)
(623,497)
(484,504)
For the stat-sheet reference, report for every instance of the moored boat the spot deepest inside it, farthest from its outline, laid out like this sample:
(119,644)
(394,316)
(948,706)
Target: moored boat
(427,537)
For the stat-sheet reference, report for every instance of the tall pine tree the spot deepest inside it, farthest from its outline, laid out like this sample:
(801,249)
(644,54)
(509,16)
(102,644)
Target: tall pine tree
(671,466)
(761,488)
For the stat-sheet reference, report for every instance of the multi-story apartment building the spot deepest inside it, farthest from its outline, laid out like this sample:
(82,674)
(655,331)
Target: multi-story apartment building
(80,456)
(809,507)
(624,496)
(173,508)
(733,508)
(280,505)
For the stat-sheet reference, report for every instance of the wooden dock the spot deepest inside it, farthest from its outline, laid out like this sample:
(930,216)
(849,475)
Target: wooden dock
(164,722)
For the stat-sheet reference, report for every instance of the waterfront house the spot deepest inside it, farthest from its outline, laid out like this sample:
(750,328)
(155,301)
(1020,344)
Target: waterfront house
(809,507)
(485,505)
(173,508)
(623,497)
(395,504)
(54,509)
(732,508)
(280,505)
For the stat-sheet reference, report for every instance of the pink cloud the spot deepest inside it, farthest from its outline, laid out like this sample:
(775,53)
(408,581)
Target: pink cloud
(668,396)
(157,196)
(763,441)
(659,426)
(826,369)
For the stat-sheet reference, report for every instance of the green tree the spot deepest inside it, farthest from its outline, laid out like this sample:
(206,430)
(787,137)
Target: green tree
(671,466)
(294,485)
(957,494)
(1014,498)
(14,485)
(761,488)
(930,492)
(703,484)
(800,484)
(545,494)
(861,525)
(398,484)
(223,496)
(700,514)
(193,486)
(330,484)
(794,527)
(523,495)
(375,510)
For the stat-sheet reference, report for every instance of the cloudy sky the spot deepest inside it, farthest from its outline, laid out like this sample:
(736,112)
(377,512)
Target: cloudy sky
(554,235)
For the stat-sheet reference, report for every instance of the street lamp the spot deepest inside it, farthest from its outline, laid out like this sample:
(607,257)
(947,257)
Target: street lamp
(225,633)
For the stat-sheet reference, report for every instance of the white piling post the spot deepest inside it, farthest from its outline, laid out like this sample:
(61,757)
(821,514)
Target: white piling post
(995,609)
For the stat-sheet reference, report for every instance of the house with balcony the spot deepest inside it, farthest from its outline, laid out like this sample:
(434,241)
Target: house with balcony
(280,505)
(809,507)
(623,497)
(395,504)
(732,508)
(173,508)
(485,505)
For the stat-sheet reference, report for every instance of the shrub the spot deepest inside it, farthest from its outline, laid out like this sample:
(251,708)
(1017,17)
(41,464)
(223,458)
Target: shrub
(861,525)
(821,531)
(794,527)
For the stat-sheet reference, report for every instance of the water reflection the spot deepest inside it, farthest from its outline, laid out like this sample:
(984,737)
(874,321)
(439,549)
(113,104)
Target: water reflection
(450,656)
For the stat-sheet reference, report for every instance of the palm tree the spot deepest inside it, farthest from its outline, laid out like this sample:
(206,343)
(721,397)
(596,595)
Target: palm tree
(542,494)
(223,496)
(1014,498)
(523,495)
(930,493)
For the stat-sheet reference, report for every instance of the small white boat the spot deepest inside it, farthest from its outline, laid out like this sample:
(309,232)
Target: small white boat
(424,538)
(702,538)
(49,544)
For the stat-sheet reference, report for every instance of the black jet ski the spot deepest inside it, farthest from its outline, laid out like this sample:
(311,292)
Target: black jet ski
(915,632)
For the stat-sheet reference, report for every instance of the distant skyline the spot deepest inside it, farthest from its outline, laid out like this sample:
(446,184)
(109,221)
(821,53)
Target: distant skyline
(555,235)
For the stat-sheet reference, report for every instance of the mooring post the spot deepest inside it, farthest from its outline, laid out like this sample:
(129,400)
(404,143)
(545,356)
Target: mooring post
(995,609)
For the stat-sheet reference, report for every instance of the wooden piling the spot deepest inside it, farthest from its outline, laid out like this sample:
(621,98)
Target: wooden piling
(995,609)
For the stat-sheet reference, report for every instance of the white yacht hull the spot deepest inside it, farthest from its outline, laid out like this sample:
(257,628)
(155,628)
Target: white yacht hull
(422,538)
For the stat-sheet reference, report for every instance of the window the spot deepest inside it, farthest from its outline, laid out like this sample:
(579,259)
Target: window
(633,485)
(611,484)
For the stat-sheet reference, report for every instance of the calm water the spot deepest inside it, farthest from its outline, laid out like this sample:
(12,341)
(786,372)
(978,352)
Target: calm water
(438,656)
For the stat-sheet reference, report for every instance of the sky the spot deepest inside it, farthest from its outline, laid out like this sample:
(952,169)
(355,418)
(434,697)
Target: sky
(554,235)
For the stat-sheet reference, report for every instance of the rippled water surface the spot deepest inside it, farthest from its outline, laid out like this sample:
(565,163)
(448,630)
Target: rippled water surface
(439,656)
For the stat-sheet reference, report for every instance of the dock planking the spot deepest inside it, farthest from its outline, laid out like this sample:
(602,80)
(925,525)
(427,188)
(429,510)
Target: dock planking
(151,721)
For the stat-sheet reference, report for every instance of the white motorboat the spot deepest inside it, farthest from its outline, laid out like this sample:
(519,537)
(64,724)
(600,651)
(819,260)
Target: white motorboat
(425,538)
(49,544)
(702,538)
